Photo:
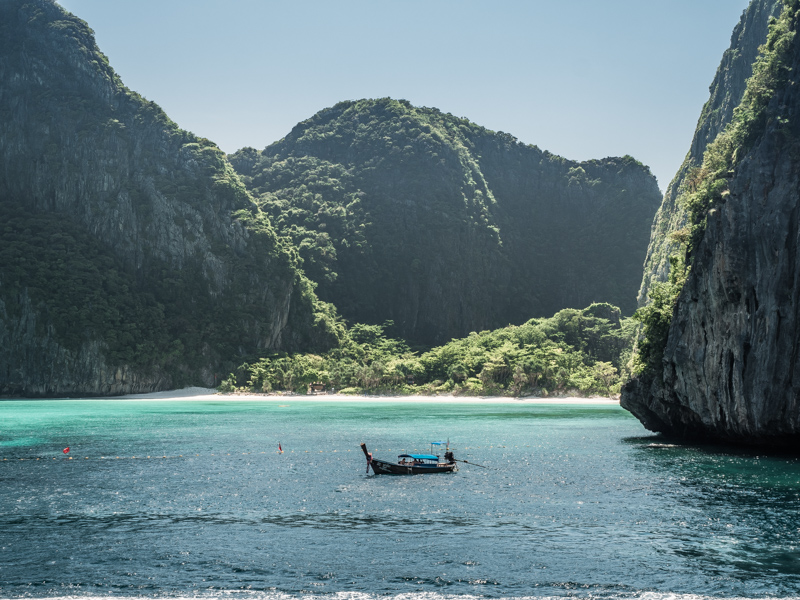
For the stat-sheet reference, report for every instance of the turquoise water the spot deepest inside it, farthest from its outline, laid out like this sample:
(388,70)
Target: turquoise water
(185,499)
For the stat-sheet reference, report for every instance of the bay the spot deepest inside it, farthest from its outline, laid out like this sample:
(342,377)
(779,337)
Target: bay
(190,498)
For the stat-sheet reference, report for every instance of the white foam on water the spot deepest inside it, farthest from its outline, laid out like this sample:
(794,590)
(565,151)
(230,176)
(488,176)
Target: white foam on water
(270,595)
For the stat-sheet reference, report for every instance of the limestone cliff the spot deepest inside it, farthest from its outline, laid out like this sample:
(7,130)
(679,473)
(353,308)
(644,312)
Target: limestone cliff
(133,258)
(726,93)
(730,366)
(408,214)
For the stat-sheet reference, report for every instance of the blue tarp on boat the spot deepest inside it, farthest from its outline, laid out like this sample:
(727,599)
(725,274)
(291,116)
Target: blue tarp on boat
(419,456)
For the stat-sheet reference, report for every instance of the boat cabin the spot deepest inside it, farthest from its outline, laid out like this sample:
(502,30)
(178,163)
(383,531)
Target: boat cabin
(418,460)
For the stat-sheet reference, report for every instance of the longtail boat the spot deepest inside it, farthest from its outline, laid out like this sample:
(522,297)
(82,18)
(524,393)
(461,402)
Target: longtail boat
(413,464)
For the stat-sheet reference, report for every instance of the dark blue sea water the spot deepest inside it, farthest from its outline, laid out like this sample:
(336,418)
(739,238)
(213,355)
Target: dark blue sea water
(189,499)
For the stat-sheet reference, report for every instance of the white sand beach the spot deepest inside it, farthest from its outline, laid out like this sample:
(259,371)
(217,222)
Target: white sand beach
(199,393)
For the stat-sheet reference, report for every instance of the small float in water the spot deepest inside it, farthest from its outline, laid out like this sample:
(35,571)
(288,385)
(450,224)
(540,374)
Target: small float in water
(413,464)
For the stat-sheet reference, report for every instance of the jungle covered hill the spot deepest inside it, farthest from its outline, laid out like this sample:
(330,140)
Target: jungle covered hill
(585,352)
(409,215)
(132,258)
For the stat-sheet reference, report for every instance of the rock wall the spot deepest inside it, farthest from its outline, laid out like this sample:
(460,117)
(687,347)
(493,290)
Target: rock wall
(730,368)
(726,92)
(35,364)
(163,207)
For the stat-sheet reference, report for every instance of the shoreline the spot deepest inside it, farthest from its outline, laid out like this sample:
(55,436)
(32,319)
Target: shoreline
(205,394)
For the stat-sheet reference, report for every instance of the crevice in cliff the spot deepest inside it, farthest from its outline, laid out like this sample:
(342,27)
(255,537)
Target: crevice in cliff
(790,243)
(731,390)
(721,418)
(745,355)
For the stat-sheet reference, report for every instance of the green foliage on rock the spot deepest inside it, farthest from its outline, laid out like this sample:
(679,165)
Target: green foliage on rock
(83,293)
(705,187)
(126,233)
(411,215)
(584,352)
(656,317)
(670,228)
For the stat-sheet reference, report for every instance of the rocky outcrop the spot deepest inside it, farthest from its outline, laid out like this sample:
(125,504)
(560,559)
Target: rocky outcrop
(730,366)
(726,93)
(194,273)
(408,214)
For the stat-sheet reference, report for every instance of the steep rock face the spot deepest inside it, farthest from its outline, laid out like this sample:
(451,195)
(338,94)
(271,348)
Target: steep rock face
(730,367)
(26,351)
(407,214)
(726,93)
(194,274)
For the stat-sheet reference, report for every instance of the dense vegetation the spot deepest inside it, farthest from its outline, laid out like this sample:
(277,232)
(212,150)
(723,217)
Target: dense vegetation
(81,291)
(130,245)
(160,318)
(706,187)
(409,215)
(123,232)
(581,351)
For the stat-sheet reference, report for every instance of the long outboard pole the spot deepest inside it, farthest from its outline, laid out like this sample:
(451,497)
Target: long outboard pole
(472,463)
(369,457)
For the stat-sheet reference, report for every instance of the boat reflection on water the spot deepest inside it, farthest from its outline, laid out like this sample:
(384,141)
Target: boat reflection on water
(413,464)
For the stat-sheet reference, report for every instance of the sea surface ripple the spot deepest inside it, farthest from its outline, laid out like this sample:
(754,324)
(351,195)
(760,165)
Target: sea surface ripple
(191,499)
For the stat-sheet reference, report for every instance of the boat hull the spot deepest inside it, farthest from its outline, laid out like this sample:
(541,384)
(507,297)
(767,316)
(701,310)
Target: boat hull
(381,467)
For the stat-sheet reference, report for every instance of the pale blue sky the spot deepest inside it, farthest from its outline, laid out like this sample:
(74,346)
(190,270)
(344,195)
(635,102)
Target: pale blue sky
(583,79)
